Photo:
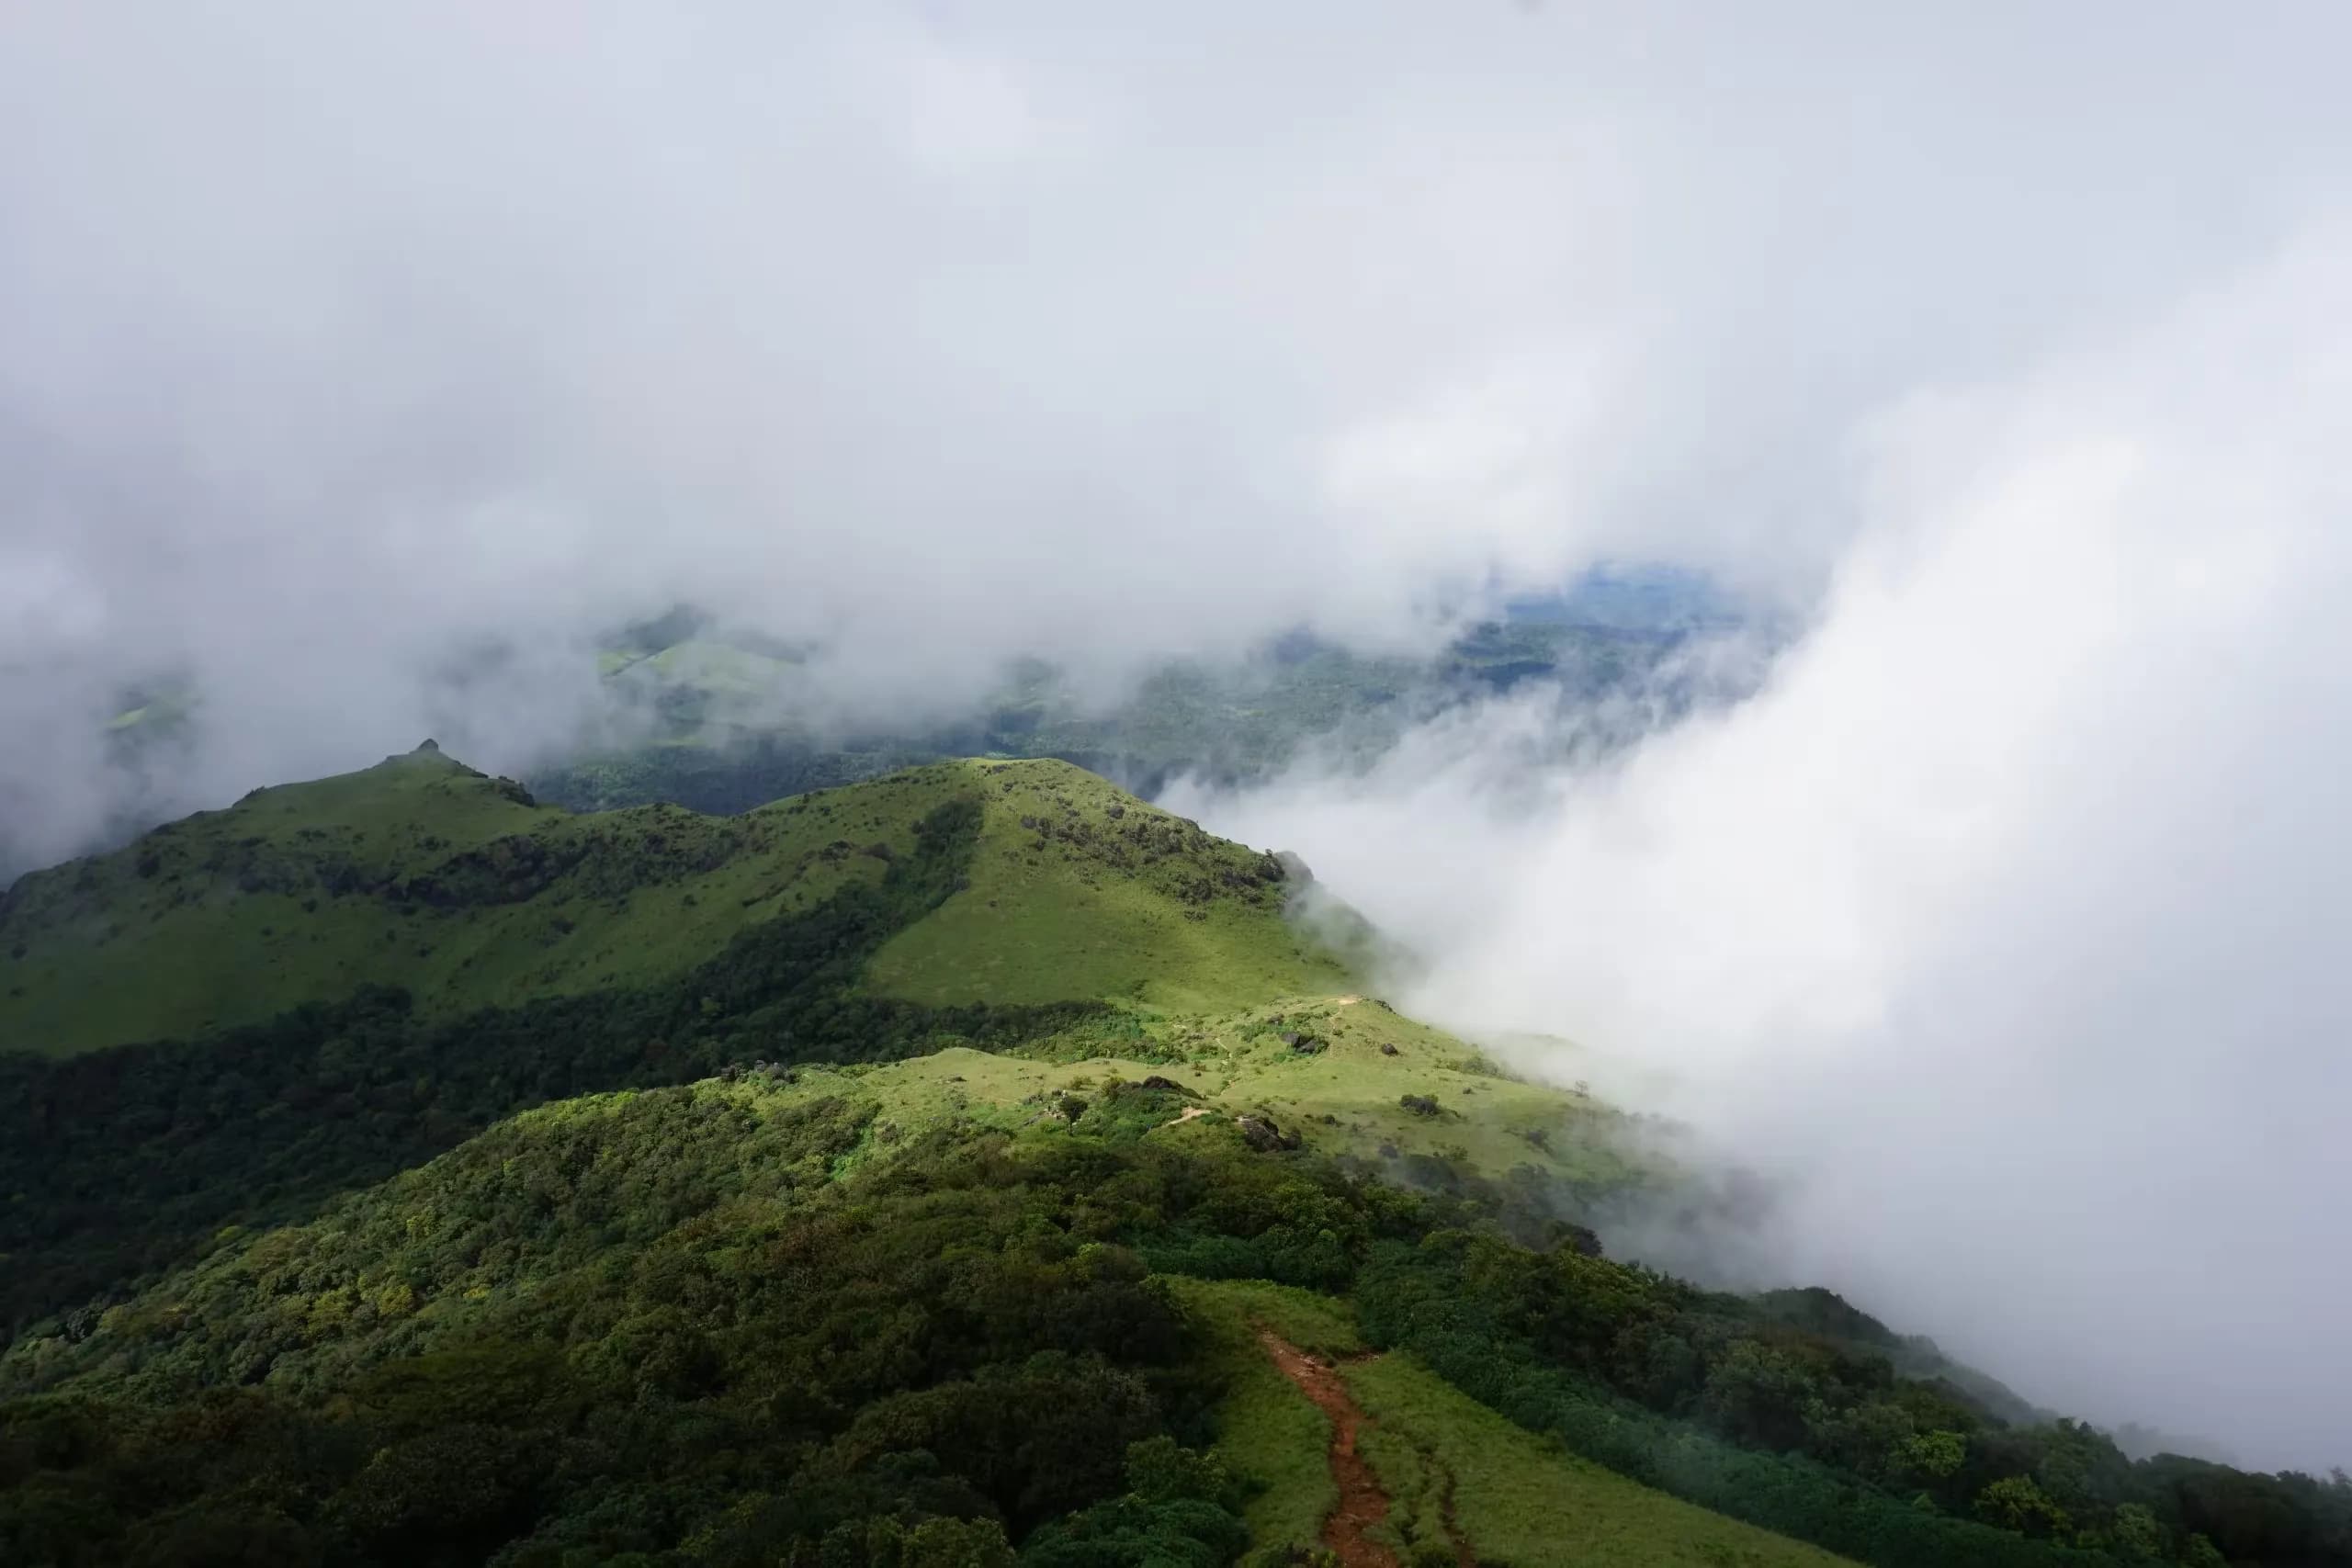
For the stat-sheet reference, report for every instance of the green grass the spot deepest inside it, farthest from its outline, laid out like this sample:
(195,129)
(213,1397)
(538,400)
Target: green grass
(1271,1437)
(418,873)
(1237,1067)
(1103,896)
(423,874)
(1484,1119)
(1522,1500)
(1519,1498)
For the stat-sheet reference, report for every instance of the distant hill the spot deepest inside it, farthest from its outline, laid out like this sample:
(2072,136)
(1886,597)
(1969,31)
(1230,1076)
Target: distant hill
(722,718)
(723,712)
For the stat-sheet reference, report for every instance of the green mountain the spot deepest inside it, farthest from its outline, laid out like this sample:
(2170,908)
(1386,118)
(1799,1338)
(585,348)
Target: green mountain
(970,1167)
(423,874)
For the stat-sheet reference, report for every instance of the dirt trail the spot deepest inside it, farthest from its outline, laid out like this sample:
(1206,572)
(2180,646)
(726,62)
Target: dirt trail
(1361,1502)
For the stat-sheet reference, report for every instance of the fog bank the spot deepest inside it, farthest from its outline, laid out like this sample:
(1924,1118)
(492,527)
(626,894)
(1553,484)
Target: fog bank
(345,337)
(2002,922)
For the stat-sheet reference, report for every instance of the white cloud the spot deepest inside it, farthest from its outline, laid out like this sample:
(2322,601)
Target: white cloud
(2002,919)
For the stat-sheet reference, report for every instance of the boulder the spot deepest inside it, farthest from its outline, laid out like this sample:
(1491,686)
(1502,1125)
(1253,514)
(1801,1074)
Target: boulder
(1261,1134)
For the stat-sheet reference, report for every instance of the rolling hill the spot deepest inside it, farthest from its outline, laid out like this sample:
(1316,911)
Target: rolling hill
(970,1166)
(423,874)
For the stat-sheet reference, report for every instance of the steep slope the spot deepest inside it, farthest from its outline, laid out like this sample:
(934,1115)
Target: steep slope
(1454,1480)
(504,954)
(801,1317)
(1079,889)
(747,1308)
(423,873)
(909,1207)
(419,873)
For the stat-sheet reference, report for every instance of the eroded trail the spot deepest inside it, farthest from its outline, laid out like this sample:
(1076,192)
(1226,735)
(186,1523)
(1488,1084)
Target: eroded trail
(1363,1503)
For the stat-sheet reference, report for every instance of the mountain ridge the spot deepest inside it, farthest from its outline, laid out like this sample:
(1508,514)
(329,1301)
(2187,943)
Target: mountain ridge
(920,1208)
(422,872)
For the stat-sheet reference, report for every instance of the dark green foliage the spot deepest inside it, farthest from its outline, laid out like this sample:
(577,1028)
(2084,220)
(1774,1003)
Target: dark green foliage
(660,1325)
(686,1337)
(663,1328)
(1126,1112)
(258,1125)
(1129,1532)
(1808,1435)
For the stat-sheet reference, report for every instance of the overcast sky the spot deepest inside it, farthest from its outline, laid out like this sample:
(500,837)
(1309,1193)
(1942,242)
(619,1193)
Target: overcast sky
(2008,341)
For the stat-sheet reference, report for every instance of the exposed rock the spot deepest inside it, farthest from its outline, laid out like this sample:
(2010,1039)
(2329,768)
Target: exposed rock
(1156,1081)
(1262,1136)
(1388,1050)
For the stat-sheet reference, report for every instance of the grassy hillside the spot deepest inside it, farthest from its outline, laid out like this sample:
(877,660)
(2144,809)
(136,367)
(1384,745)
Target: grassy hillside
(504,954)
(630,1286)
(772,1319)
(418,872)
(421,873)
(1341,1094)
(967,1167)
(1456,1473)
(1079,889)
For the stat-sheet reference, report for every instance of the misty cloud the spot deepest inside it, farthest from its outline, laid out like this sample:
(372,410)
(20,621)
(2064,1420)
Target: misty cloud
(343,336)
(2002,924)
(344,340)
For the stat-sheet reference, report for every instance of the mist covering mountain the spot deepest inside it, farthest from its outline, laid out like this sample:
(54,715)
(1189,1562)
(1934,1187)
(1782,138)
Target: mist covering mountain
(1792,561)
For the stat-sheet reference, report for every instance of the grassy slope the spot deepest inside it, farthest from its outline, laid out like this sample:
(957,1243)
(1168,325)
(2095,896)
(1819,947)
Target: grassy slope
(421,872)
(459,1247)
(1270,1435)
(1522,1500)
(1518,1499)
(417,871)
(1235,1068)
(1238,1066)
(1080,890)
